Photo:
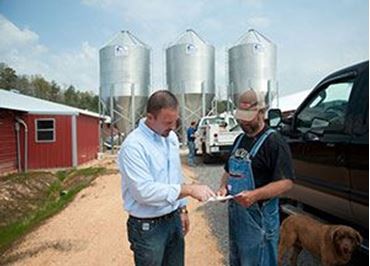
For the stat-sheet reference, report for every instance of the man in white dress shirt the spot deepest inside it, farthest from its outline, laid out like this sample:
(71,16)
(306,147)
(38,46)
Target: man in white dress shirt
(152,185)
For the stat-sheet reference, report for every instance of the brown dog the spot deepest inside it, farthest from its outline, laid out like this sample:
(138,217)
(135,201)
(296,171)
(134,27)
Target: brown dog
(334,244)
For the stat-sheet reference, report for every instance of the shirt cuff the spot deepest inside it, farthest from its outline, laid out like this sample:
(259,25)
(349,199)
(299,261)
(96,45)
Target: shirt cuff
(173,194)
(183,202)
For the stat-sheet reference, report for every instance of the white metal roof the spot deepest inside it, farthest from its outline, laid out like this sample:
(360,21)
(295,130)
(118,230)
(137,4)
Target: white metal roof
(16,101)
(290,102)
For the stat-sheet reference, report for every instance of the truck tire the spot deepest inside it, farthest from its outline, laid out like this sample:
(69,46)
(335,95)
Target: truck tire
(205,157)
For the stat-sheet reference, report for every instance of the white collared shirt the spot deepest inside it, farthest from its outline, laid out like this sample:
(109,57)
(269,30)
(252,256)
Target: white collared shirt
(151,172)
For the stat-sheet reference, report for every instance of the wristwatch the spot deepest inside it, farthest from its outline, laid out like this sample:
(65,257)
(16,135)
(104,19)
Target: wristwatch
(183,210)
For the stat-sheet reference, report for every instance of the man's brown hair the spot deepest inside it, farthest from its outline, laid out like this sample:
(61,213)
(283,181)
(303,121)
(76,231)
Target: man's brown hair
(161,99)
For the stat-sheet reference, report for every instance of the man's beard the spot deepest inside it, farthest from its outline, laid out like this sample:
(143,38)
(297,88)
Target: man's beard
(166,133)
(251,129)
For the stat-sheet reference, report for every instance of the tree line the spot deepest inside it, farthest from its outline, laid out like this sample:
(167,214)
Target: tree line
(37,86)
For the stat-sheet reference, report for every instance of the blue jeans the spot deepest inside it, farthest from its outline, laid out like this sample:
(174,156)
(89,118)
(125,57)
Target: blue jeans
(157,242)
(191,155)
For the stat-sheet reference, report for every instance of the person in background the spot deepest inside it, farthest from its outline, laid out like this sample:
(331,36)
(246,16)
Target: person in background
(190,133)
(152,185)
(258,170)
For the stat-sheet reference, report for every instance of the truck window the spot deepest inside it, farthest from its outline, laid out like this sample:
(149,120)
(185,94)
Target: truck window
(329,107)
(215,121)
(231,122)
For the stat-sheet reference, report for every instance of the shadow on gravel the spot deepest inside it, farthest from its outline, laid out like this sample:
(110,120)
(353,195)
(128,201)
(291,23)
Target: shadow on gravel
(60,245)
(215,212)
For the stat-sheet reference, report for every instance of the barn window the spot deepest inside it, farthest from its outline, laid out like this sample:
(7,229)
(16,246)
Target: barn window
(45,130)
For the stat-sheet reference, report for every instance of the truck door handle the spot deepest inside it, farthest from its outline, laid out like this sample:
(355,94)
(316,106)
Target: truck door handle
(340,159)
(330,145)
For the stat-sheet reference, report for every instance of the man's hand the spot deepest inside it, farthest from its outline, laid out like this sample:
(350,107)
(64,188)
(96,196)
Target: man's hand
(246,198)
(196,191)
(185,223)
(273,189)
(201,192)
(222,191)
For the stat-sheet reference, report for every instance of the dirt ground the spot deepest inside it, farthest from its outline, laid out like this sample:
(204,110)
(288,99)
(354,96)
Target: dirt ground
(92,231)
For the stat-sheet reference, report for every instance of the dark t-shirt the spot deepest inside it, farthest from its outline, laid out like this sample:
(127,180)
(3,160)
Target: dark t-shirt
(273,160)
(190,134)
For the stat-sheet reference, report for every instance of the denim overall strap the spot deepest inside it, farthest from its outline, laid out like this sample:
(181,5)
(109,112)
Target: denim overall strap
(239,179)
(260,141)
(240,137)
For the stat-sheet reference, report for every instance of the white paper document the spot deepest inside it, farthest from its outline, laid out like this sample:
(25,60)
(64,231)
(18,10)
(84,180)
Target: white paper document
(220,198)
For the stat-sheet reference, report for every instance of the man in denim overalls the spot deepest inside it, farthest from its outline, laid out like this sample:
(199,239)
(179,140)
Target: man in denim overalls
(257,171)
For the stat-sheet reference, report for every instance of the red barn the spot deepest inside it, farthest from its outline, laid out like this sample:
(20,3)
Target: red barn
(36,134)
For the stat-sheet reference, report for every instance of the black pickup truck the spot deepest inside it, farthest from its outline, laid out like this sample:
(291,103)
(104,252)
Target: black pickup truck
(329,138)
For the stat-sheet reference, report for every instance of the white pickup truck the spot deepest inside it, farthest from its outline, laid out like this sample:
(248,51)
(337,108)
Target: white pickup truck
(215,135)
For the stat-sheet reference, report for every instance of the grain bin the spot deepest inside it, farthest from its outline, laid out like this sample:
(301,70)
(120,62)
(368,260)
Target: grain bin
(190,75)
(252,64)
(124,79)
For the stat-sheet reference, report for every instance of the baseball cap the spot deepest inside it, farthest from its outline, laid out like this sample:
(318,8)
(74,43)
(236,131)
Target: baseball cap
(250,102)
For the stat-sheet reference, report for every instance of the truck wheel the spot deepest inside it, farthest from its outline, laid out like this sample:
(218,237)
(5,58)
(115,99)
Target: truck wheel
(206,158)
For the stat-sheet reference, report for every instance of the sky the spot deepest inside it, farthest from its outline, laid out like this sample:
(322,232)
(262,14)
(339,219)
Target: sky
(60,40)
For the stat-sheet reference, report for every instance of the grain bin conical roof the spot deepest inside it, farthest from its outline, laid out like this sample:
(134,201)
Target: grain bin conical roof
(253,36)
(126,38)
(189,37)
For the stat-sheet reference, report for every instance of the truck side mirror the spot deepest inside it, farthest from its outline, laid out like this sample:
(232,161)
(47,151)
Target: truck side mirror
(274,117)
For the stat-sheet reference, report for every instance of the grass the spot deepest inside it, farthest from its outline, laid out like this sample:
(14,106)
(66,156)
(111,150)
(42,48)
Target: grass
(22,176)
(55,199)
(90,171)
